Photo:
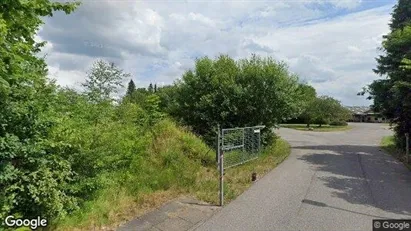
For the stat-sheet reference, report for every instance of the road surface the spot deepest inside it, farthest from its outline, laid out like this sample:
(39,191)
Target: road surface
(331,181)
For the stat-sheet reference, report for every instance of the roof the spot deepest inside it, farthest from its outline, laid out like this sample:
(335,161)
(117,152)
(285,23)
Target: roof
(362,110)
(359,109)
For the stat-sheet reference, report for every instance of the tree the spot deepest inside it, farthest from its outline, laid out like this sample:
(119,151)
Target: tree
(323,110)
(131,88)
(139,96)
(310,96)
(249,92)
(103,81)
(150,88)
(401,16)
(153,110)
(33,173)
(392,95)
(168,95)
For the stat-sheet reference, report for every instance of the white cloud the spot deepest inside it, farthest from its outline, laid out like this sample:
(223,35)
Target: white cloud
(71,78)
(157,41)
(201,18)
(348,4)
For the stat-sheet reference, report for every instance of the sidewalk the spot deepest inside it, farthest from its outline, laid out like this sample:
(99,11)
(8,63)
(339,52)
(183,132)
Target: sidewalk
(183,213)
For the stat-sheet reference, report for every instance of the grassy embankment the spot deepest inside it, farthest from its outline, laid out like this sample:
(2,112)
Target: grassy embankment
(388,144)
(177,163)
(317,128)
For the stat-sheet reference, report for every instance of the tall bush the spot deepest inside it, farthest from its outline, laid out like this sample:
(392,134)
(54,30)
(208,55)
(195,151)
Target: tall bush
(392,94)
(247,92)
(33,175)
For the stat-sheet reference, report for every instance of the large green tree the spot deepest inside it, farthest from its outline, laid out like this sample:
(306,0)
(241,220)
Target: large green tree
(167,96)
(310,97)
(131,88)
(103,81)
(392,94)
(32,172)
(323,110)
(248,92)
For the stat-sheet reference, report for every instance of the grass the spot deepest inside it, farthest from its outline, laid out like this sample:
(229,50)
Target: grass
(112,208)
(176,163)
(238,179)
(165,168)
(388,145)
(317,128)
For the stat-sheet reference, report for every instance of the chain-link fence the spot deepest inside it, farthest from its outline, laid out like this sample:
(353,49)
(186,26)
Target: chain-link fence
(240,145)
(236,146)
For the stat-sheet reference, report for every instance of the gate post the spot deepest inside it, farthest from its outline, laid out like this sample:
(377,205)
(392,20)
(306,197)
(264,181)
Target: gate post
(407,147)
(221,166)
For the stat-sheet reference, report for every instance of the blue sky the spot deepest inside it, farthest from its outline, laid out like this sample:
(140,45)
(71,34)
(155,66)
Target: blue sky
(331,44)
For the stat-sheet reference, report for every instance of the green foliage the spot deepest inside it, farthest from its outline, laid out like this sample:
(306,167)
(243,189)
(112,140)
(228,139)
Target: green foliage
(339,123)
(131,88)
(248,92)
(307,116)
(66,155)
(103,81)
(133,163)
(139,96)
(401,15)
(150,88)
(392,95)
(168,96)
(152,107)
(325,109)
(33,175)
(389,144)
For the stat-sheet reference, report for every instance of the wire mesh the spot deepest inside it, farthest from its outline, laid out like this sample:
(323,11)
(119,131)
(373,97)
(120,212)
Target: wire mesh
(240,145)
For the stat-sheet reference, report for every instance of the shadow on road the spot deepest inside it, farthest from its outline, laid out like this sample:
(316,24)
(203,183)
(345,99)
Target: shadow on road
(362,175)
(320,204)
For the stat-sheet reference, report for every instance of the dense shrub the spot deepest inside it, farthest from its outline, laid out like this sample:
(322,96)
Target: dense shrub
(324,110)
(248,92)
(66,154)
(126,146)
(33,173)
(137,164)
(339,123)
(391,94)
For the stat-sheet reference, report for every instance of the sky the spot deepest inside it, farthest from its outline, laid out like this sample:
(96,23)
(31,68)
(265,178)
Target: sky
(330,44)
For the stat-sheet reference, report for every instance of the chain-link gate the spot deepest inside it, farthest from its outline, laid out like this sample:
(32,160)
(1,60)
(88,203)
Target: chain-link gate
(240,145)
(237,146)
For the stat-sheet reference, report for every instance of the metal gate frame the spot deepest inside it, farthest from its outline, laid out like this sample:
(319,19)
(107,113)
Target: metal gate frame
(221,148)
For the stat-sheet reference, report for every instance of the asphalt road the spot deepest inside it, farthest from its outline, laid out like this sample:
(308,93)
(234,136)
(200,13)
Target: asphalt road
(331,181)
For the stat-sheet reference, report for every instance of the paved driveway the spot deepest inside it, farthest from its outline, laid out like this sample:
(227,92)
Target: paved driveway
(331,181)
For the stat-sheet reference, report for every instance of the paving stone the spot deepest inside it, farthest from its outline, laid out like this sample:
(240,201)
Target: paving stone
(181,214)
(170,207)
(174,224)
(192,215)
(155,217)
(154,229)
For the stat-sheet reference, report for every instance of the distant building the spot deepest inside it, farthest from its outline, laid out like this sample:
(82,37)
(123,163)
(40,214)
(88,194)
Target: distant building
(365,114)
